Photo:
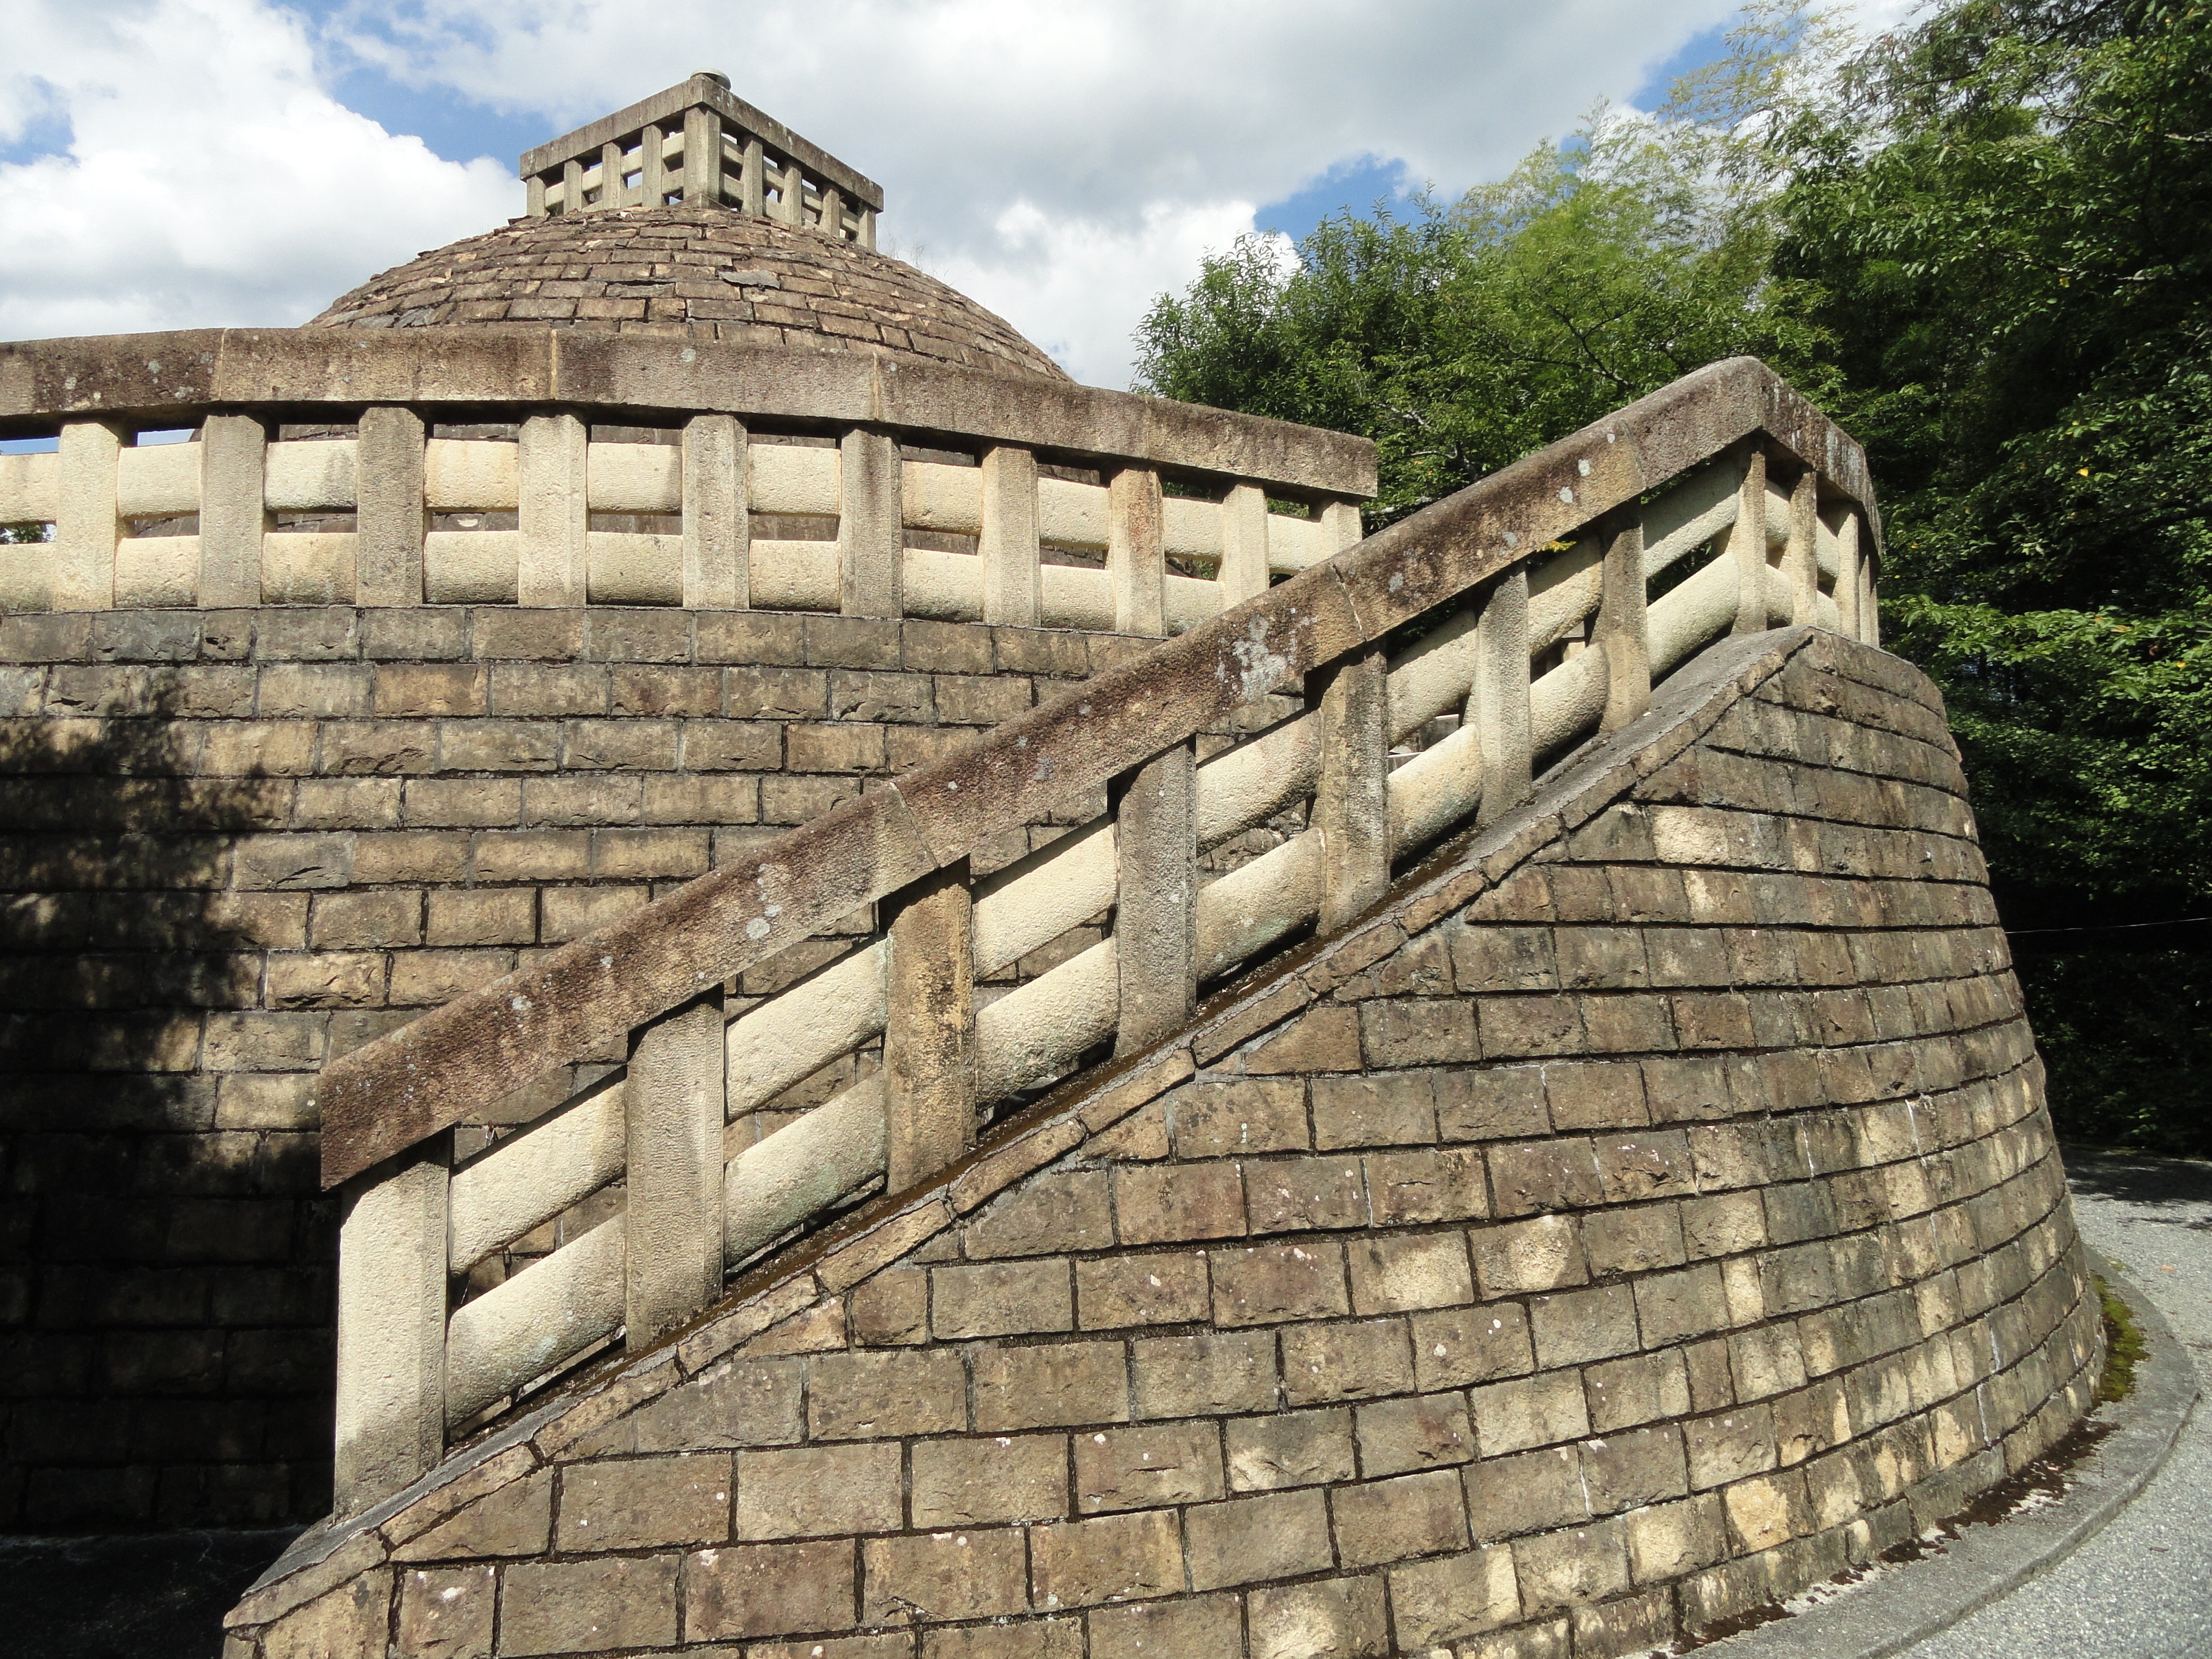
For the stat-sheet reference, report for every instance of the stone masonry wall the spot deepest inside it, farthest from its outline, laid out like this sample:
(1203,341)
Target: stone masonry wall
(234,844)
(1650,1210)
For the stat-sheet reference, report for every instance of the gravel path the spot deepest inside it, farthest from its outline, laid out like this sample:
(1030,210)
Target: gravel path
(2142,1588)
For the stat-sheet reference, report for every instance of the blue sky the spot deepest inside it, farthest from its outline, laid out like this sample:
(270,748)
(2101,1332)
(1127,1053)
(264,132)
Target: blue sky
(1086,168)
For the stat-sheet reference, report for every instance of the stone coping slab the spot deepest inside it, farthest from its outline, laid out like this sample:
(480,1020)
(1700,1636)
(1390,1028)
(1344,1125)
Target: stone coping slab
(1890,1609)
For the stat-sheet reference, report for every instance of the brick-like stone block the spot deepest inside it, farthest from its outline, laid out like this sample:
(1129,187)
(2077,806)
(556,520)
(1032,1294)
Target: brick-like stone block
(1455,1346)
(1545,1253)
(1001,1298)
(646,1503)
(1402,1272)
(766,1590)
(1323,1618)
(1203,1375)
(1146,1288)
(1046,1215)
(1237,1118)
(1668,1540)
(1567,1569)
(1147,1467)
(445,1613)
(1729,1445)
(1459,1596)
(1530,1177)
(1197,1624)
(1625,1470)
(1420,1432)
(592,1605)
(944,1576)
(1494,1104)
(1177,1202)
(1054,1385)
(1526,1492)
(1107,1558)
(1289,1449)
(1384,1521)
(1377,1108)
(1278,1282)
(1409,1188)
(1524,1412)
(973,1482)
(1248,1540)
(1325,1038)
(1303,1195)
(811,1492)
(1638,1389)
(1401,1031)
(1348,1360)
(1579,1326)
(867,1396)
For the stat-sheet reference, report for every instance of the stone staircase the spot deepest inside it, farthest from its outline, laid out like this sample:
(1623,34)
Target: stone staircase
(1530,1148)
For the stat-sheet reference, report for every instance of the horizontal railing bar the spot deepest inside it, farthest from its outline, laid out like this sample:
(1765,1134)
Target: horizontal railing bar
(311,374)
(386,1096)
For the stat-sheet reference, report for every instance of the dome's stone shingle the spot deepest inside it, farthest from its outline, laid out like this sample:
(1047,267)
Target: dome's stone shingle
(702,272)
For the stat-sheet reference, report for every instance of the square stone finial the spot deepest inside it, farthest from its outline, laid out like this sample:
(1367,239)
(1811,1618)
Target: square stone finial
(699,143)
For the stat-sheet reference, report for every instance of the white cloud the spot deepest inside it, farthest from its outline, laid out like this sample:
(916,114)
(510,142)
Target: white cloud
(1061,163)
(208,179)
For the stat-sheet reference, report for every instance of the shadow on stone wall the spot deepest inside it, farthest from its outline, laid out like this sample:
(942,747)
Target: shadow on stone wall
(166,1339)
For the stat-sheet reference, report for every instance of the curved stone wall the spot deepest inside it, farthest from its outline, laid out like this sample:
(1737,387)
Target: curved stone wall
(1649,1211)
(234,843)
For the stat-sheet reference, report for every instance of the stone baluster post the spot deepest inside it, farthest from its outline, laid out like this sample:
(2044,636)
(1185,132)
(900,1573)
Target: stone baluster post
(717,523)
(1351,806)
(1747,546)
(572,185)
(1624,629)
(1498,703)
(833,213)
(868,228)
(1869,603)
(1800,559)
(792,201)
(652,166)
(929,1035)
(672,1222)
(392,1297)
(1340,525)
(534,193)
(391,517)
(1008,543)
(703,157)
(612,194)
(553,519)
(234,516)
(752,181)
(1156,903)
(88,521)
(1244,544)
(1847,574)
(1136,560)
(871,525)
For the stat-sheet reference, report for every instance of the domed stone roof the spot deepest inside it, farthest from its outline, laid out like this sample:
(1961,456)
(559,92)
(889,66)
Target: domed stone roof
(705,272)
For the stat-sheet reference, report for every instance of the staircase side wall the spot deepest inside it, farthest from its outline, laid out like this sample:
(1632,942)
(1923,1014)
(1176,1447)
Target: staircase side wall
(234,844)
(1651,1211)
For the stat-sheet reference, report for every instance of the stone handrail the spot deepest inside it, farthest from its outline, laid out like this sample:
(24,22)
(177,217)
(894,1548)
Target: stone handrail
(1449,612)
(706,438)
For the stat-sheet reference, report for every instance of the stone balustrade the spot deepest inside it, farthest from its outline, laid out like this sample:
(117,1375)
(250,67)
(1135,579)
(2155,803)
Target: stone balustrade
(1444,664)
(449,497)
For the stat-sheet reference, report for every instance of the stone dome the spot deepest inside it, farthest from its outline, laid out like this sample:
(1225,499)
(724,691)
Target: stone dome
(705,272)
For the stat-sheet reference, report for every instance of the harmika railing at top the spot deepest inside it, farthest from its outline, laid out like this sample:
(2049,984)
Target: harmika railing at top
(1723,504)
(448,467)
(697,143)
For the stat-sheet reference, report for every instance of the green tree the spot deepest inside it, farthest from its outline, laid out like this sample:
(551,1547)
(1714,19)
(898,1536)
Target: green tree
(1463,335)
(2002,224)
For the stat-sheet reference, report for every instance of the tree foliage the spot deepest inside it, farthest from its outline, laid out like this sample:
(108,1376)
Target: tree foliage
(2002,224)
(1982,242)
(1460,336)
